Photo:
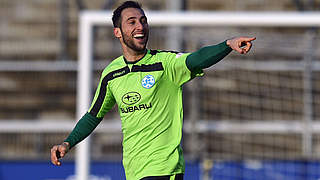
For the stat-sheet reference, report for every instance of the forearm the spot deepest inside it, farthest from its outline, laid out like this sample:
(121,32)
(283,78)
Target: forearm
(207,56)
(82,129)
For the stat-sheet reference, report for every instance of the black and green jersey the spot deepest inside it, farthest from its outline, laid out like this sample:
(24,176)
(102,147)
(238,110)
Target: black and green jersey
(149,97)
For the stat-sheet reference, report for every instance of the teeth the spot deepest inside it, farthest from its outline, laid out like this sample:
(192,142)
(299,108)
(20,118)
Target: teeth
(138,35)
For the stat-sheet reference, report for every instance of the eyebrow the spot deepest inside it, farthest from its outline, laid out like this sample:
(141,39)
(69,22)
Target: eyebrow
(133,17)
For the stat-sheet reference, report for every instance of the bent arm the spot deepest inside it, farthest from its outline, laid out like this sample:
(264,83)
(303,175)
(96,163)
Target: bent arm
(83,128)
(207,56)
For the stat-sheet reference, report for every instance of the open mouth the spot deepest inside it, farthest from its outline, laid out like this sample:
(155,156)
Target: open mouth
(139,36)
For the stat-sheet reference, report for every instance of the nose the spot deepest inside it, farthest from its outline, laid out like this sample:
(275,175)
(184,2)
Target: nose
(139,25)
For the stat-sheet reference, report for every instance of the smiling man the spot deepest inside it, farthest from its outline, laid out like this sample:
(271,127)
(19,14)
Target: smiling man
(147,87)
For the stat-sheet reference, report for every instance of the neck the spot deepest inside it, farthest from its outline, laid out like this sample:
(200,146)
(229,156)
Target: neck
(133,56)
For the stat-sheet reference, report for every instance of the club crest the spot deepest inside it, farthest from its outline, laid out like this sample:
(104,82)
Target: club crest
(148,81)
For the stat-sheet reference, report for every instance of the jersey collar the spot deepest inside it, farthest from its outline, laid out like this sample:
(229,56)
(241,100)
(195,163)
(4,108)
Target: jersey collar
(146,56)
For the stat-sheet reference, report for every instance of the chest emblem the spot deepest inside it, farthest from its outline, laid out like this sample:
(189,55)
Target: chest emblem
(131,98)
(148,81)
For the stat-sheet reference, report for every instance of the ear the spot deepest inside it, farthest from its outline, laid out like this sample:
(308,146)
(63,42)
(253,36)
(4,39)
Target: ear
(117,32)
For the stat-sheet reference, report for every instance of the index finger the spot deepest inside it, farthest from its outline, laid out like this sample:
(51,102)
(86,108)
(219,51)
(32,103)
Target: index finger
(248,38)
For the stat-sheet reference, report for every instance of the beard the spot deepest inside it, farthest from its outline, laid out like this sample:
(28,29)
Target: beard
(129,41)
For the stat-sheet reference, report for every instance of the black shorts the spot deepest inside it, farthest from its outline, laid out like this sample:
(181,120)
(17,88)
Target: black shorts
(170,177)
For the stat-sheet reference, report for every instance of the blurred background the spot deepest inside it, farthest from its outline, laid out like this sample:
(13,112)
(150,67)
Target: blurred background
(253,116)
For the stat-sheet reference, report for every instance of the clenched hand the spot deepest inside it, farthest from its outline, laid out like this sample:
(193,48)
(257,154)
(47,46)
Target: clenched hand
(59,151)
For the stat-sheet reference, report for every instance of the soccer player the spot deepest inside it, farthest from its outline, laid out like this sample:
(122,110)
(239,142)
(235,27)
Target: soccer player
(147,87)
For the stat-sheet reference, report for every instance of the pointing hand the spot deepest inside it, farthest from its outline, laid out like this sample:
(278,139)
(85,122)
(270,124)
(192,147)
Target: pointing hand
(241,44)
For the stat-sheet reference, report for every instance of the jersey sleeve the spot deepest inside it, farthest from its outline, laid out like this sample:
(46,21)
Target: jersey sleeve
(103,100)
(177,70)
(83,129)
(207,56)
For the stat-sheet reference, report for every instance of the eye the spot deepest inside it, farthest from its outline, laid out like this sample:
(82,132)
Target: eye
(144,21)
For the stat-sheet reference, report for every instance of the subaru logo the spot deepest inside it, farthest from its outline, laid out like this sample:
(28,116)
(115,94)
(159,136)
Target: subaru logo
(131,98)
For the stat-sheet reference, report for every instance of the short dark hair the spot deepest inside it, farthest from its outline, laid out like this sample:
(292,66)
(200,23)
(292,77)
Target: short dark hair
(116,18)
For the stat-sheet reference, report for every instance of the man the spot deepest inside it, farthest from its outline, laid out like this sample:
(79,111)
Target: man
(146,85)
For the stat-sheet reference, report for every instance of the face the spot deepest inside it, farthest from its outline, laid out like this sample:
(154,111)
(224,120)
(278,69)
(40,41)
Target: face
(134,30)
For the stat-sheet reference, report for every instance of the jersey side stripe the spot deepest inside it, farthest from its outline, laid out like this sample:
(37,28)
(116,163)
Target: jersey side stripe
(103,88)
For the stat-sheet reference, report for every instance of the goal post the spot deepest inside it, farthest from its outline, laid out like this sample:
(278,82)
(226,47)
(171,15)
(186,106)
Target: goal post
(89,19)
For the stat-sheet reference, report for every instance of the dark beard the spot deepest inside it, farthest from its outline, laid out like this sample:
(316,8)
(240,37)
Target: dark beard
(131,44)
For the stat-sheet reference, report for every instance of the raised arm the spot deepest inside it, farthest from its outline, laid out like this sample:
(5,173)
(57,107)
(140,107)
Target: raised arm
(210,55)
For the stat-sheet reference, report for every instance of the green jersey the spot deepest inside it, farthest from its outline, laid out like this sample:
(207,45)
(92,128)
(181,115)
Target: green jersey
(149,98)
(148,94)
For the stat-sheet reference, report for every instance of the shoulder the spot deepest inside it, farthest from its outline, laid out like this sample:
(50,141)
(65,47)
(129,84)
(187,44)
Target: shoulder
(168,55)
(113,66)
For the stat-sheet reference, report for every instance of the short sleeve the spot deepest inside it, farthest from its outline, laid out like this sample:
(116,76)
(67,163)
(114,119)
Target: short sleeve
(103,100)
(177,70)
